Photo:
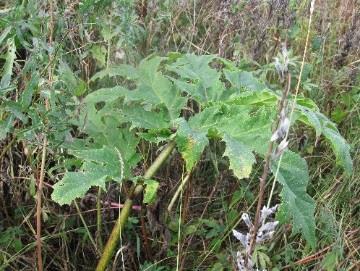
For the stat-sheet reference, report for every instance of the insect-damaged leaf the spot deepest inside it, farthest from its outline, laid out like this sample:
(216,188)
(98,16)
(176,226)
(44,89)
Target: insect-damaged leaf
(191,143)
(240,156)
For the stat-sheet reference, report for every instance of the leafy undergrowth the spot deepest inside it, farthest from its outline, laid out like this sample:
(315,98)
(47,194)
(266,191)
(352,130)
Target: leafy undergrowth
(94,83)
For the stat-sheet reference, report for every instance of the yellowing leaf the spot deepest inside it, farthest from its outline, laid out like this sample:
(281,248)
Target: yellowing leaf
(191,143)
(240,156)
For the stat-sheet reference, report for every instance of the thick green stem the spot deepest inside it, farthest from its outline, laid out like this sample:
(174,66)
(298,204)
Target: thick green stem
(114,236)
(125,212)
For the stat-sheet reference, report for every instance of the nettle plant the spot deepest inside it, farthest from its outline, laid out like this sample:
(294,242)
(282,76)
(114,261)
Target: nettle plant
(188,100)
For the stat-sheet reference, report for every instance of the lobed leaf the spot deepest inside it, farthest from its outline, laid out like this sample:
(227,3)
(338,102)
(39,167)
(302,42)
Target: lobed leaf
(99,165)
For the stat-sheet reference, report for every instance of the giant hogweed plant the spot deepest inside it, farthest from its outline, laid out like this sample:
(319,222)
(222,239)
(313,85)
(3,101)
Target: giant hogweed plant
(188,100)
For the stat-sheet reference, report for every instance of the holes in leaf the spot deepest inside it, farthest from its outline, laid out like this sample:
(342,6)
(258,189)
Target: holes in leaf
(99,105)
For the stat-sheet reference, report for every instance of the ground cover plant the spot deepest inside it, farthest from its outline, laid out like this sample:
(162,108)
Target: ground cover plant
(140,135)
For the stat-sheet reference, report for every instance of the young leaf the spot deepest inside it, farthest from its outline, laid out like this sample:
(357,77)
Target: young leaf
(263,97)
(150,190)
(296,204)
(6,126)
(4,34)
(240,156)
(310,118)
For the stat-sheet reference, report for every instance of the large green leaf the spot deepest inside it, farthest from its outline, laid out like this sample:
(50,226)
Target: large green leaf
(296,205)
(250,125)
(121,139)
(155,90)
(99,165)
(148,67)
(197,78)
(168,95)
(100,108)
(141,118)
(243,128)
(190,142)
(196,68)
(240,156)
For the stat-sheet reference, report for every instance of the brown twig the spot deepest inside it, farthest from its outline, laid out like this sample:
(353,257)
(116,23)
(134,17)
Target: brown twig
(43,156)
(310,258)
(145,236)
(38,207)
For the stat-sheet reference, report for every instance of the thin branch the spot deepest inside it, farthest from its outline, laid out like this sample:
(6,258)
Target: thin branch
(38,207)
(86,227)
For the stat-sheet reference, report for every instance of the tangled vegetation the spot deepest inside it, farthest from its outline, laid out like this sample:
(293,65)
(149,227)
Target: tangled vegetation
(179,135)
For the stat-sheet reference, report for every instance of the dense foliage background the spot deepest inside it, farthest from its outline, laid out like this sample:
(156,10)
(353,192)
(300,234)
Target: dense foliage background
(66,62)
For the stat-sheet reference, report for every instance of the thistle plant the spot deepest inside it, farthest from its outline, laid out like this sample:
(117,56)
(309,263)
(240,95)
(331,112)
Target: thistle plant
(266,232)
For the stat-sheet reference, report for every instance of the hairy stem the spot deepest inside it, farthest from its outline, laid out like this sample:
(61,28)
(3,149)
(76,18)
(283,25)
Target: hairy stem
(125,212)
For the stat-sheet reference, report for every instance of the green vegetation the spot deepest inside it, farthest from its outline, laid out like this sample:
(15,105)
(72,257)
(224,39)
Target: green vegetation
(152,135)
